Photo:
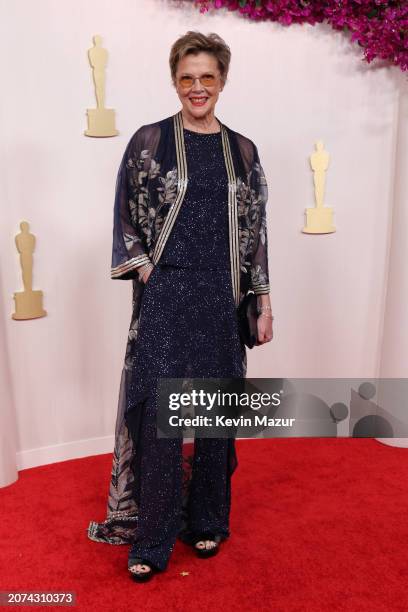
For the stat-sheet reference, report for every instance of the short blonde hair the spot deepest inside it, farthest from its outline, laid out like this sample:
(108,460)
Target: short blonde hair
(196,42)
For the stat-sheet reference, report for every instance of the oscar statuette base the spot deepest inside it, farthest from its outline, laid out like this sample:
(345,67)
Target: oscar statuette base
(319,220)
(101,122)
(28,305)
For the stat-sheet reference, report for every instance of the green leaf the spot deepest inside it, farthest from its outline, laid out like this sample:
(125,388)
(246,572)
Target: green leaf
(372,13)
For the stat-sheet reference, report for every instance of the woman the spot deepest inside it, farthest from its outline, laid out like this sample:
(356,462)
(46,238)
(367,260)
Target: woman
(190,231)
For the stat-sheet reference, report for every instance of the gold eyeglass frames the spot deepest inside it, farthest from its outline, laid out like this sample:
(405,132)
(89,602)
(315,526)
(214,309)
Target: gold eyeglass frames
(207,80)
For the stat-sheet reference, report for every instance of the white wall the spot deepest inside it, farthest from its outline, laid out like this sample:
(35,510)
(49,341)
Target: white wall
(287,88)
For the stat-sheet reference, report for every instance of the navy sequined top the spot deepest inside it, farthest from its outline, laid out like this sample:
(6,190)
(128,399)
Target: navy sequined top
(200,235)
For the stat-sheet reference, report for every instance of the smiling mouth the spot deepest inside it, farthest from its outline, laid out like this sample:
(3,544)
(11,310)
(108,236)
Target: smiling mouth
(198,101)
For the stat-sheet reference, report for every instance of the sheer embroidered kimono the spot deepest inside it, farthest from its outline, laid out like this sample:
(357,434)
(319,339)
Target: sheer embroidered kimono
(151,185)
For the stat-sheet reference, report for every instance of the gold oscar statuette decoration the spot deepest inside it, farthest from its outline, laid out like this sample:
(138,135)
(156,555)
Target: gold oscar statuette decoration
(28,303)
(319,220)
(101,120)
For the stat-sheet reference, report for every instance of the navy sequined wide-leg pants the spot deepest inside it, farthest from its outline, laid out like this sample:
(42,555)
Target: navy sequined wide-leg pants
(187,328)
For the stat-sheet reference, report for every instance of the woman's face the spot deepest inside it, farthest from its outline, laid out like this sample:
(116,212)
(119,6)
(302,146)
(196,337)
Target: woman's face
(198,99)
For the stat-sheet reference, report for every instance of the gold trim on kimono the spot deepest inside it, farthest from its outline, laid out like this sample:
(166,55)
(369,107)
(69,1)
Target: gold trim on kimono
(182,173)
(135,262)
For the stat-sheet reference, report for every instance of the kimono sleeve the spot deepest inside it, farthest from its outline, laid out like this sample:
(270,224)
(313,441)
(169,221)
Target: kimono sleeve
(129,250)
(259,270)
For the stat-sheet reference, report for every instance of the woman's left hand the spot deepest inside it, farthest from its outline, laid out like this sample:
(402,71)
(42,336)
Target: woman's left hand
(264,322)
(264,325)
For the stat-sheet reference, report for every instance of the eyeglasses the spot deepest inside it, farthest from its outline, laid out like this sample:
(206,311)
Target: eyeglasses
(207,80)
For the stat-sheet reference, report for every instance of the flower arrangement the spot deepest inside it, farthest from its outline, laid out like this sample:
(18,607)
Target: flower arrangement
(380,27)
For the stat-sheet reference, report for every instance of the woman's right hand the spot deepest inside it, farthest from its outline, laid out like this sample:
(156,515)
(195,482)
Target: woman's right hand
(147,274)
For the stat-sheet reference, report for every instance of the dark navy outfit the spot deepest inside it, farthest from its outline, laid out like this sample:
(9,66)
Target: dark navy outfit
(187,328)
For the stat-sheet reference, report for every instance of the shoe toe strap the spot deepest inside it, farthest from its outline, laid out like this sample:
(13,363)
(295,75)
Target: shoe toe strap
(138,560)
(206,535)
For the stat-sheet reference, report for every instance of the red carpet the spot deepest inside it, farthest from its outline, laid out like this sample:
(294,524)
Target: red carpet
(317,524)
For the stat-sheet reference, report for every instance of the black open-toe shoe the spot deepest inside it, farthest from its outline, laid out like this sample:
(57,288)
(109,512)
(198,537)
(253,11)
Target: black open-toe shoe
(204,553)
(141,575)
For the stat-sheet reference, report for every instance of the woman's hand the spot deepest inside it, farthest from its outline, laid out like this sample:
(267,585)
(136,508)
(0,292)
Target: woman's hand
(264,325)
(146,275)
(264,322)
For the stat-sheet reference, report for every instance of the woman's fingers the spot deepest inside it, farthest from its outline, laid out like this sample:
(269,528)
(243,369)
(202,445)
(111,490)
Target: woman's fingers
(265,333)
(146,275)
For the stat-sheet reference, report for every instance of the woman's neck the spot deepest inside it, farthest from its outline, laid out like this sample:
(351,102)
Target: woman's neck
(208,123)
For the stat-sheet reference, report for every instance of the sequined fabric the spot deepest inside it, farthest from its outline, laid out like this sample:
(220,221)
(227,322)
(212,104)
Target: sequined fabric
(201,239)
(188,328)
